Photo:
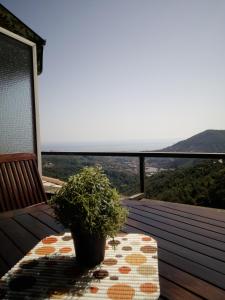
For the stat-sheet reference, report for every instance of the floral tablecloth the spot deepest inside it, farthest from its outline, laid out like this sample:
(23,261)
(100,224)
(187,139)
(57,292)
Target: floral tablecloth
(49,271)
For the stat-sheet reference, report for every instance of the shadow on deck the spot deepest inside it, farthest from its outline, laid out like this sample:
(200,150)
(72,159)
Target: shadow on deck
(191,243)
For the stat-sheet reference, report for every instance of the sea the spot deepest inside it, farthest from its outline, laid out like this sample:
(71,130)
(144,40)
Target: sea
(110,146)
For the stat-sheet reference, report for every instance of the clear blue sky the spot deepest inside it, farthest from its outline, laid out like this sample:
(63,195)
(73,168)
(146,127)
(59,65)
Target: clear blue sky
(128,69)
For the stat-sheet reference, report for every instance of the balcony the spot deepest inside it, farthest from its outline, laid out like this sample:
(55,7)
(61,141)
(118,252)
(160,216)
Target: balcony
(191,239)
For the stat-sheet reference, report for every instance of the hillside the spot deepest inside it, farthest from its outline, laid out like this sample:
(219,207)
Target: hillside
(202,184)
(120,170)
(209,141)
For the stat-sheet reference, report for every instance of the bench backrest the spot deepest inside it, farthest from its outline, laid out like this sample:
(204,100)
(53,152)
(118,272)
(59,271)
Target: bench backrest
(20,182)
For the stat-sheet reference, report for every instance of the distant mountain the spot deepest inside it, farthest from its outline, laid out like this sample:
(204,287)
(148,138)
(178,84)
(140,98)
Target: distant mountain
(209,141)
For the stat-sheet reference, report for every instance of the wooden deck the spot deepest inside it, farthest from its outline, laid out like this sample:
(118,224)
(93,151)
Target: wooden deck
(191,243)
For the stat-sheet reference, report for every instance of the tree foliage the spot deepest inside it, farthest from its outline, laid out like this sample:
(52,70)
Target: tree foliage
(62,167)
(203,184)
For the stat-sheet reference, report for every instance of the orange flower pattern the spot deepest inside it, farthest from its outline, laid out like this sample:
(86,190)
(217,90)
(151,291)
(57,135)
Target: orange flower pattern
(128,272)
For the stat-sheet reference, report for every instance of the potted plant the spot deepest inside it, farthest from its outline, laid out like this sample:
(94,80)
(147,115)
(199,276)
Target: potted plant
(89,206)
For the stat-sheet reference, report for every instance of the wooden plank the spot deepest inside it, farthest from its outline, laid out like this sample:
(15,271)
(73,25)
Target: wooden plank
(53,180)
(37,185)
(183,258)
(48,220)
(181,246)
(2,202)
(44,207)
(3,267)
(193,268)
(22,181)
(133,202)
(213,214)
(23,239)
(34,191)
(18,184)
(34,226)
(208,212)
(192,216)
(9,251)
(191,283)
(180,276)
(28,185)
(13,186)
(181,218)
(49,211)
(4,158)
(189,236)
(169,233)
(38,181)
(199,218)
(21,211)
(4,190)
(171,221)
(7,187)
(174,292)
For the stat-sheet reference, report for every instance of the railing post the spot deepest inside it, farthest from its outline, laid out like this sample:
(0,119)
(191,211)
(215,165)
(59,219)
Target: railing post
(142,173)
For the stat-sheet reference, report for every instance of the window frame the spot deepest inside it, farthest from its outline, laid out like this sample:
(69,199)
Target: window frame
(35,114)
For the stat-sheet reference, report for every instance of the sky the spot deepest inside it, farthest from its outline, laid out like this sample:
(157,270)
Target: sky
(123,70)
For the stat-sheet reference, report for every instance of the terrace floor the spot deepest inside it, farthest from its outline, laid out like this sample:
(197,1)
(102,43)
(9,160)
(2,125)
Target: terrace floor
(191,243)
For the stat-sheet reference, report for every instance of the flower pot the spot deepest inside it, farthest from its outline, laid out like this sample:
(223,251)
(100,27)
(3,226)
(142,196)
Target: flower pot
(90,249)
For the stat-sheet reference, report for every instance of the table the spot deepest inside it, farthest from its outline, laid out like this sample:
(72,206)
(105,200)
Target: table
(49,271)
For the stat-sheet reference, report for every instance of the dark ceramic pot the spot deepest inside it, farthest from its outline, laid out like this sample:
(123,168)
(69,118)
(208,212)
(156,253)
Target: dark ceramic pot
(90,249)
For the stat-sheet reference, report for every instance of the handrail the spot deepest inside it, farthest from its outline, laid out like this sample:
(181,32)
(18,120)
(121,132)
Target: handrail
(141,156)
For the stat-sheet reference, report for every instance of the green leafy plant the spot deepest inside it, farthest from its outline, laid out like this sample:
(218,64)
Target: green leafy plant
(89,204)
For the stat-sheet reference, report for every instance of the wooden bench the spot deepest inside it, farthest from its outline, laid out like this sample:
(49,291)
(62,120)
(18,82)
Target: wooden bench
(20,182)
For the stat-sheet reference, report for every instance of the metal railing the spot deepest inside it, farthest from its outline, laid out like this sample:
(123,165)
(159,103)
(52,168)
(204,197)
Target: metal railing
(142,156)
